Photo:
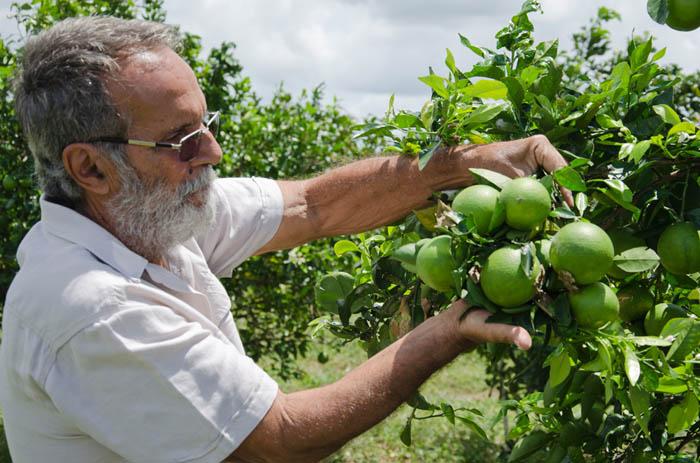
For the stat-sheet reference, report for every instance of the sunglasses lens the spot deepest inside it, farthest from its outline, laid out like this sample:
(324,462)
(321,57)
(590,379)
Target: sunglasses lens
(190,148)
(213,124)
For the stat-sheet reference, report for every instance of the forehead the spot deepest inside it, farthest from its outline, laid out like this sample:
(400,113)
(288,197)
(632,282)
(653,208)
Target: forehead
(158,91)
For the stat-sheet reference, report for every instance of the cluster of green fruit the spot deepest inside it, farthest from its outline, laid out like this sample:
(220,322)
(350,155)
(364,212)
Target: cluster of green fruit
(581,254)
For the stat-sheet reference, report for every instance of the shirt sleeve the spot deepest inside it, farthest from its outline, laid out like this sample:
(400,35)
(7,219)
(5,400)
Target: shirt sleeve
(154,387)
(249,212)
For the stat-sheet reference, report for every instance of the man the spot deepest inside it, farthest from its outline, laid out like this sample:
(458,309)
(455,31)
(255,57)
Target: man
(118,342)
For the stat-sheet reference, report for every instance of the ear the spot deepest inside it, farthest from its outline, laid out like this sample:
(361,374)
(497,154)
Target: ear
(89,168)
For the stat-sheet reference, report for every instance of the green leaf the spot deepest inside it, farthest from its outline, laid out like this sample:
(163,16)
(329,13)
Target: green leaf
(650,341)
(427,154)
(619,193)
(476,297)
(686,342)
(667,113)
(437,83)
(581,202)
(418,401)
(569,178)
(450,63)
(608,122)
(490,177)
(448,411)
(471,424)
(669,385)
(465,41)
(332,289)
(483,113)
(658,10)
(406,120)
(683,415)
(687,127)
(426,114)
(641,406)
(640,54)
(529,75)
(563,213)
(639,259)
(406,433)
(559,368)
(487,89)
(639,150)
(528,445)
(516,92)
(343,246)
(631,366)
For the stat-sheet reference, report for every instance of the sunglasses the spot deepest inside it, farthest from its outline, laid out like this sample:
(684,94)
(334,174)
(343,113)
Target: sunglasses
(188,146)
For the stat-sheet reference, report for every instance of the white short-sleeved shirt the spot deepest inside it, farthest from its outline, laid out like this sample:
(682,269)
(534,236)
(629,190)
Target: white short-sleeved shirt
(108,358)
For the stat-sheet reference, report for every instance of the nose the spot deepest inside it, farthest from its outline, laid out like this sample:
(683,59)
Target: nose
(209,151)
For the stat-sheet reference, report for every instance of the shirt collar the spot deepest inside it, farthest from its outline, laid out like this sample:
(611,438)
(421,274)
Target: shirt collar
(76,228)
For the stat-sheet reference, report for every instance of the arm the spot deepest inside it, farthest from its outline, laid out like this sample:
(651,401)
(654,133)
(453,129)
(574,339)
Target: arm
(309,425)
(369,193)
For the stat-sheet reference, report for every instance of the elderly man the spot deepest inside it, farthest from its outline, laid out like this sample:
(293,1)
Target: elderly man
(118,343)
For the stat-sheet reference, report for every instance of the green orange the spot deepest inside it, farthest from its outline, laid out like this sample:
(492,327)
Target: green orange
(503,279)
(683,15)
(635,302)
(679,248)
(527,203)
(594,305)
(480,202)
(435,263)
(582,249)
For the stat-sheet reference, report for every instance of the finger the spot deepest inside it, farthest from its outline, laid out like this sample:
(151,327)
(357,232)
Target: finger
(496,332)
(508,334)
(567,195)
(551,160)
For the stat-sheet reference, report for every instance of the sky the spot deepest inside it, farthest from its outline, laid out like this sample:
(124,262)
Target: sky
(363,51)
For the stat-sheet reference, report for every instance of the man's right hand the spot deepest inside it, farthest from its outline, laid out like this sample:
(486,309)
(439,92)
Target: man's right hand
(474,328)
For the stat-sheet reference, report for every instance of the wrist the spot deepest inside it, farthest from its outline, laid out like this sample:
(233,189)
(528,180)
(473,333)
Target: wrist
(449,168)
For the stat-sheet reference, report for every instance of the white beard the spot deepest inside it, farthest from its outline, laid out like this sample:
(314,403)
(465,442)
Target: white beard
(151,219)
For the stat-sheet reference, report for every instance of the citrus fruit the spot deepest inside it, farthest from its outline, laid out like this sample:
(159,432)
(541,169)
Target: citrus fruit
(622,240)
(503,279)
(582,249)
(679,248)
(594,305)
(434,263)
(635,302)
(683,15)
(480,201)
(657,317)
(526,201)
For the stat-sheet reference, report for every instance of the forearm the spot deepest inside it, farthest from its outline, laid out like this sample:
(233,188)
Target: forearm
(309,425)
(374,192)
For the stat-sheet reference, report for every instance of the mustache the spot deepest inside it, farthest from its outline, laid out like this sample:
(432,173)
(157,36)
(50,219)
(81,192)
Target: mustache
(201,182)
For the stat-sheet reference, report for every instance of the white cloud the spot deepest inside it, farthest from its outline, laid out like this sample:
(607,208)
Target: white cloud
(365,50)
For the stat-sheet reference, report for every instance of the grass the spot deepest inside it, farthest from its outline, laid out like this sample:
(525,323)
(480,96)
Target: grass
(461,384)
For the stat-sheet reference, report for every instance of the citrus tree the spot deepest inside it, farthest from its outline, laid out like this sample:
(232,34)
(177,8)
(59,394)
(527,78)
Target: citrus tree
(607,286)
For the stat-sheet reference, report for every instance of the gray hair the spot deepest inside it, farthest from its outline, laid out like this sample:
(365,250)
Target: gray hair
(60,91)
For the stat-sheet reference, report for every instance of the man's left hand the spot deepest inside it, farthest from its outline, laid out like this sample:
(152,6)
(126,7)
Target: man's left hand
(516,158)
